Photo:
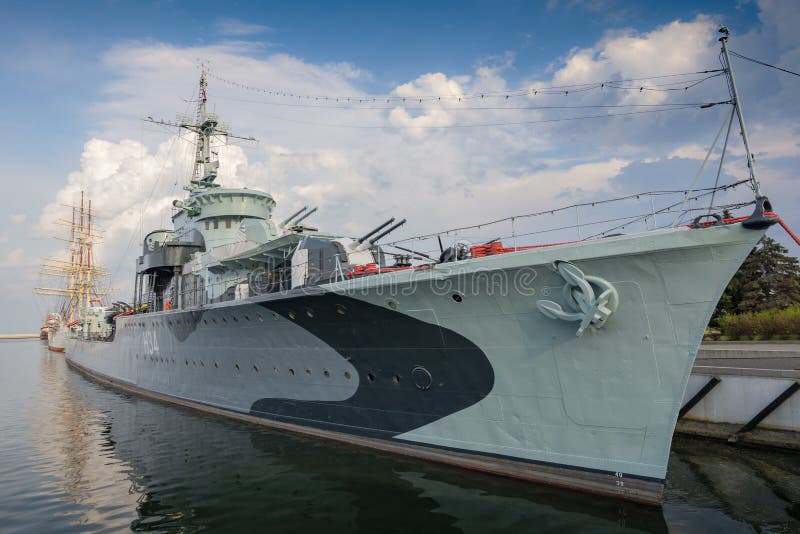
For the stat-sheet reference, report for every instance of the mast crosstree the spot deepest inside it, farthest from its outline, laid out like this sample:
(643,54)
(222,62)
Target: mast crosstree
(206,126)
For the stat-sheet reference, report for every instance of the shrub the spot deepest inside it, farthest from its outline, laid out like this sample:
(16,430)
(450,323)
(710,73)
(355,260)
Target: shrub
(767,324)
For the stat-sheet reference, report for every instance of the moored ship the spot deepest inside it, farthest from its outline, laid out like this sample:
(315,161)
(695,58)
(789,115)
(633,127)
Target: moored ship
(72,280)
(564,364)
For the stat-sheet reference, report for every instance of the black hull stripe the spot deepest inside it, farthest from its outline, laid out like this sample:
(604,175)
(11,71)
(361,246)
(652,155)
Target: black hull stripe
(384,346)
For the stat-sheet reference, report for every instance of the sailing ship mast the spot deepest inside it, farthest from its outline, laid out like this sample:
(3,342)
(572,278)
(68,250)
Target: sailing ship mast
(78,272)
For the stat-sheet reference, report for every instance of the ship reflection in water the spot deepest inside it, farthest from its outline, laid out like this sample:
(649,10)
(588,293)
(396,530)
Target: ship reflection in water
(78,456)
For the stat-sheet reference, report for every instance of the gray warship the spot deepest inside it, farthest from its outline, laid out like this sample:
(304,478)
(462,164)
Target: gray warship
(573,376)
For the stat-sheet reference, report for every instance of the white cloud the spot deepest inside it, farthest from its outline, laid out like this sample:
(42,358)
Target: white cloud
(396,159)
(17,218)
(689,152)
(13,258)
(239,28)
(677,47)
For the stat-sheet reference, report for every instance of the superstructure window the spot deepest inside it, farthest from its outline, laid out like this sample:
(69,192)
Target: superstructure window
(216,224)
(208,225)
(228,223)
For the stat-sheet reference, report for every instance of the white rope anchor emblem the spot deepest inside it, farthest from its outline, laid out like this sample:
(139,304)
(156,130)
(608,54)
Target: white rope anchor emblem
(579,298)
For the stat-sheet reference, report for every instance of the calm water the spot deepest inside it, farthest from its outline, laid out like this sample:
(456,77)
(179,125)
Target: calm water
(76,456)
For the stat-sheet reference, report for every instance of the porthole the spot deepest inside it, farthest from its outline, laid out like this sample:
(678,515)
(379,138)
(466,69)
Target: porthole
(310,313)
(216,365)
(260,319)
(194,363)
(275,370)
(187,362)
(202,364)
(205,321)
(341,310)
(392,304)
(235,319)
(308,372)
(396,378)
(456,297)
(236,365)
(255,368)
(214,320)
(169,322)
(326,373)
(291,371)
(246,317)
(224,320)
(347,375)
(370,377)
(275,316)
(292,315)
(422,377)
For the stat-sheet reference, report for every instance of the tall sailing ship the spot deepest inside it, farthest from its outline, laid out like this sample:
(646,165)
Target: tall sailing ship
(74,280)
(563,364)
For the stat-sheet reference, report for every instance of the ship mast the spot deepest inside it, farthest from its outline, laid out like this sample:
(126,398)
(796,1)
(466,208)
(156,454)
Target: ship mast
(78,274)
(206,126)
(737,104)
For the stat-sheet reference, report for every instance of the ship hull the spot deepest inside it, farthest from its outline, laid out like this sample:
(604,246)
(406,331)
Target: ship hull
(456,364)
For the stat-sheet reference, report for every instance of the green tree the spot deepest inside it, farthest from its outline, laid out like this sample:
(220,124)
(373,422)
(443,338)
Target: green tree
(769,278)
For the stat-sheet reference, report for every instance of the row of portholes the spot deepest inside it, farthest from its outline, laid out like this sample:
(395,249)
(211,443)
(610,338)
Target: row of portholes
(234,318)
(395,378)
(340,310)
(159,324)
(187,322)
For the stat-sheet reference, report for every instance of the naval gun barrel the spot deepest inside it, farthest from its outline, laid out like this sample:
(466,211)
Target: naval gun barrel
(379,228)
(305,215)
(389,231)
(298,212)
(412,251)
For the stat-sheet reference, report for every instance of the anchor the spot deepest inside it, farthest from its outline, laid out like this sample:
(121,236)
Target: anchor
(580,300)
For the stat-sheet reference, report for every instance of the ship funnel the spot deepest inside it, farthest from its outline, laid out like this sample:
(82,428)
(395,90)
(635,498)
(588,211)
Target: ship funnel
(305,215)
(295,214)
(387,232)
(379,228)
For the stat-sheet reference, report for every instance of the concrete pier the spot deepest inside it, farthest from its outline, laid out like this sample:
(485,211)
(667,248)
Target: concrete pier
(745,392)
(19,336)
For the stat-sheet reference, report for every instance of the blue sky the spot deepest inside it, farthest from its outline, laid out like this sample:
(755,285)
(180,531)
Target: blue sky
(77,77)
